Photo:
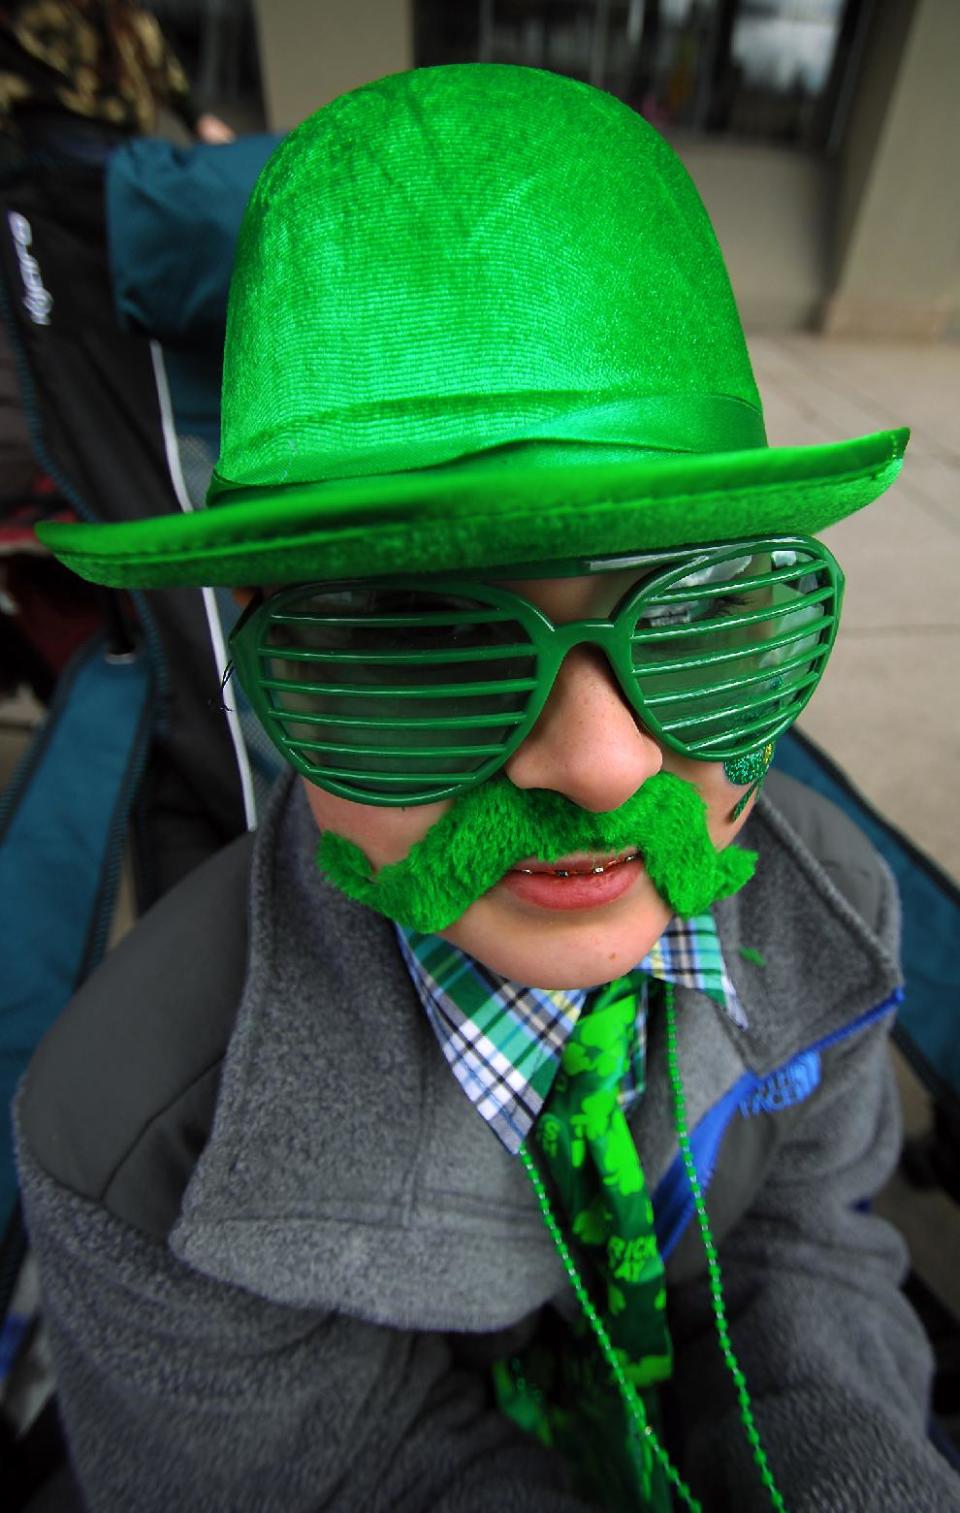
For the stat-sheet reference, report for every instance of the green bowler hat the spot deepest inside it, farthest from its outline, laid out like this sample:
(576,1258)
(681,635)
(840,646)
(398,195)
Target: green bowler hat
(479,317)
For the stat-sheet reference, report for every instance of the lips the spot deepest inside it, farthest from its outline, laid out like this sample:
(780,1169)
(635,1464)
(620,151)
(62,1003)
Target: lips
(574,882)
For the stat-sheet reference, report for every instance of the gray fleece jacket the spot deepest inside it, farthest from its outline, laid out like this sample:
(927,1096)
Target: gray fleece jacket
(279,1249)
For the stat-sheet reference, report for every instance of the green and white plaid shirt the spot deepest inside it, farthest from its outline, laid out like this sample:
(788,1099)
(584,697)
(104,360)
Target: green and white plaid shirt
(504,1041)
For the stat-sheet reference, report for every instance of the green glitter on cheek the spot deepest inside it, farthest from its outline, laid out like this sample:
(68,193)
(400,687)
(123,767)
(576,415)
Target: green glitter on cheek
(743,801)
(749,769)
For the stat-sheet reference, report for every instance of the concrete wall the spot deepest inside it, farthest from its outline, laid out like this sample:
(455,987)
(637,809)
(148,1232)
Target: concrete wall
(867,245)
(313,50)
(897,234)
(878,71)
(771,210)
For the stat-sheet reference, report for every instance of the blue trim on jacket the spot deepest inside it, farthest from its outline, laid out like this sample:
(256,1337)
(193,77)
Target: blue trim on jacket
(751,1095)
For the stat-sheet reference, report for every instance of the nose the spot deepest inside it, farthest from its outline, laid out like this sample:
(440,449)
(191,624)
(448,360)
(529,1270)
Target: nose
(587,743)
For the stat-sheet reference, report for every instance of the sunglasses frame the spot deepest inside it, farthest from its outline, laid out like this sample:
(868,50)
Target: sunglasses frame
(549,645)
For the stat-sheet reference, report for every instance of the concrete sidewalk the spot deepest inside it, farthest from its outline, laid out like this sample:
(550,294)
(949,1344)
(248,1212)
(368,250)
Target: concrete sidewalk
(888,709)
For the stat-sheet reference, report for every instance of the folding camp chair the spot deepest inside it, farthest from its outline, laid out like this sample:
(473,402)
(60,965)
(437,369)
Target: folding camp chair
(137,744)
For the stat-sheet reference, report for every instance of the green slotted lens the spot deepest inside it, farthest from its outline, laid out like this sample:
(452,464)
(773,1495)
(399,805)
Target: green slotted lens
(726,653)
(390,693)
(407,690)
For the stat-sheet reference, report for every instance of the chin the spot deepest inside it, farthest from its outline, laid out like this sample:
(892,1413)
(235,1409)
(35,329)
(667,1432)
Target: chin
(559,952)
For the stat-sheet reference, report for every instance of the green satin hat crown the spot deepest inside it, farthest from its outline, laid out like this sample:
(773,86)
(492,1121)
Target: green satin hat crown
(478,317)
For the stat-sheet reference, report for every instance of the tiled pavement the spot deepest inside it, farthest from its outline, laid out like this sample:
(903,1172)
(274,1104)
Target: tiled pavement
(888,709)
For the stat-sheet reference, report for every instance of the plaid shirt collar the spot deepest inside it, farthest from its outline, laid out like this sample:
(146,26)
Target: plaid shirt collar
(503,1042)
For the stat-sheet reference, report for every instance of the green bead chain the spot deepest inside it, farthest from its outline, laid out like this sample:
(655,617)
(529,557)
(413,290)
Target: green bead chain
(713,1263)
(631,1398)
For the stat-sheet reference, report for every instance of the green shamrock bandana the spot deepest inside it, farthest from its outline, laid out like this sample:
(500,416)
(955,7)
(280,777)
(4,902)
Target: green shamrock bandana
(561,1390)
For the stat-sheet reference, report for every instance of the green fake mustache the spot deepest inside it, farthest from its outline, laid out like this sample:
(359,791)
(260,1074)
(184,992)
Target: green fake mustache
(490,828)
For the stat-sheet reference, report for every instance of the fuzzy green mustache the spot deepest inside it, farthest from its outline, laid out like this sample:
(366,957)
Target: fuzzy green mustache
(492,827)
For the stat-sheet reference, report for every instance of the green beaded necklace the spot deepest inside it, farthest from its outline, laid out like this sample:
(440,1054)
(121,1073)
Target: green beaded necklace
(631,1399)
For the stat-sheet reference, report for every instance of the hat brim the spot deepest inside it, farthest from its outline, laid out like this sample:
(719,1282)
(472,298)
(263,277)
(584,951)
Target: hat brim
(465,516)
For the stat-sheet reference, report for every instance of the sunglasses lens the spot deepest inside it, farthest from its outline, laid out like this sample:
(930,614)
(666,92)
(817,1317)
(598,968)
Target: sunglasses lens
(392,695)
(728,653)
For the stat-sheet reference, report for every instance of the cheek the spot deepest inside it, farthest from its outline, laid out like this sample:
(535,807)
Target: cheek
(717,792)
(383,835)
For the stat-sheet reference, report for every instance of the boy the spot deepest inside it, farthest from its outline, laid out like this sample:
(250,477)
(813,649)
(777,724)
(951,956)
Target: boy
(532,601)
